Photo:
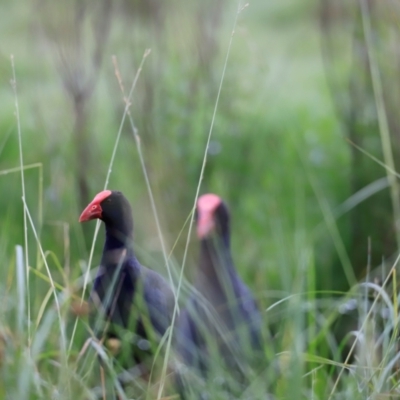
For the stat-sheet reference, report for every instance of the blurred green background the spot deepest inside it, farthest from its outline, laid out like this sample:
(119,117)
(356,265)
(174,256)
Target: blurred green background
(310,210)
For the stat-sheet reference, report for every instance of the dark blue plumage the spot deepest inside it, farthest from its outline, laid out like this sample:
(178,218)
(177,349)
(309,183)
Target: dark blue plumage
(222,314)
(128,297)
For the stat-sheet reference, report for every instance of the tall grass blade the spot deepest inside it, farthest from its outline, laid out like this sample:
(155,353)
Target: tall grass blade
(60,319)
(174,315)
(21,162)
(143,165)
(114,152)
(364,323)
(21,288)
(382,118)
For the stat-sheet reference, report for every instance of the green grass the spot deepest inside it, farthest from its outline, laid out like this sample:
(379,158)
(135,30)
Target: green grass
(277,155)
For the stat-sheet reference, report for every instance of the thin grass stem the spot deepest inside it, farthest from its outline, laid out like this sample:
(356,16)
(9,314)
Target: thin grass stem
(21,162)
(352,348)
(382,118)
(53,286)
(114,152)
(174,315)
(143,166)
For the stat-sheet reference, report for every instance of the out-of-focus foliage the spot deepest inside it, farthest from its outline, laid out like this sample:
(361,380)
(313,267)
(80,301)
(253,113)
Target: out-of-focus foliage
(274,127)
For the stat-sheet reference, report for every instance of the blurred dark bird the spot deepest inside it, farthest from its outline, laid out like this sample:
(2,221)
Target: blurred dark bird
(221,320)
(133,303)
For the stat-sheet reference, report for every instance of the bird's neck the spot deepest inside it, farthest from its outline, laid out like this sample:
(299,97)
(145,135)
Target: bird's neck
(118,239)
(217,278)
(215,258)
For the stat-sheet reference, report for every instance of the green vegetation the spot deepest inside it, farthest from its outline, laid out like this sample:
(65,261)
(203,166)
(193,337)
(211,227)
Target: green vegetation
(278,155)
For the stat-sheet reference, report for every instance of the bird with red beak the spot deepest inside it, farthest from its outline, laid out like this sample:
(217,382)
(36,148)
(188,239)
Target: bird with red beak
(131,300)
(221,324)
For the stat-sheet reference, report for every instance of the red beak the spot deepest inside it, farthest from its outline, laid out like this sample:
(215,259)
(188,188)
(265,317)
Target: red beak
(205,223)
(206,206)
(94,210)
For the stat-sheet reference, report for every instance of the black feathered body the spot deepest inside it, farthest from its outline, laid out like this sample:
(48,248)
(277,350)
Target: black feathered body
(132,303)
(219,332)
(126,292)
(221,307)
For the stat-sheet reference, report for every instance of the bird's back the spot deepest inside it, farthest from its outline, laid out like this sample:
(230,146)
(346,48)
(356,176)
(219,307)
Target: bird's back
(114,290)
(137,307)
(159,298)
(221,340)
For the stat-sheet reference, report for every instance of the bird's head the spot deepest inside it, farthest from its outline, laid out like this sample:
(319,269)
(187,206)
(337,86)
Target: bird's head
(212,216)
(111,207)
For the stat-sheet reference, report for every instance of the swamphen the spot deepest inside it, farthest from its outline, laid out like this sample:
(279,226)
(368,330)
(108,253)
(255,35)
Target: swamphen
(132,301)
(221,320)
